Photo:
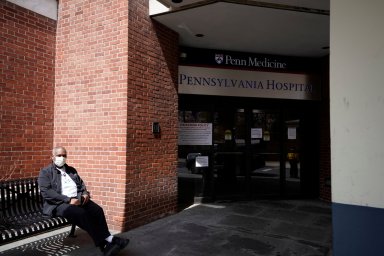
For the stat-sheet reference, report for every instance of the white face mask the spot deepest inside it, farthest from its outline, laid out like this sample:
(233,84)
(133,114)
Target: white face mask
(59,161)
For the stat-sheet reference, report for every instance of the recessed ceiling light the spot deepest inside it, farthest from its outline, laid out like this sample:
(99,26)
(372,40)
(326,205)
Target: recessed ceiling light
(177,1)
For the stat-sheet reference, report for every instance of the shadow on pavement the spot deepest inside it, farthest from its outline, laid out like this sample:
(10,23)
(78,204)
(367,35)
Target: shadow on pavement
(241,228)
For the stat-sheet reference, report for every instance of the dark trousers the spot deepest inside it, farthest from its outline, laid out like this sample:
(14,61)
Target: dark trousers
(89,217)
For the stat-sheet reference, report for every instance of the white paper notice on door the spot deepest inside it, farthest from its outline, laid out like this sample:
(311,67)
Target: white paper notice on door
(291,133)
(202,161)
(256,133)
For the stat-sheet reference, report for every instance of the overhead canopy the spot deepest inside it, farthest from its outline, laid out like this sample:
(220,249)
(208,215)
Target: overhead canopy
(289,27)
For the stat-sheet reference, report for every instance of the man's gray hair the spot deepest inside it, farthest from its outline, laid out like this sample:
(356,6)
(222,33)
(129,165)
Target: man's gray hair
(57,148)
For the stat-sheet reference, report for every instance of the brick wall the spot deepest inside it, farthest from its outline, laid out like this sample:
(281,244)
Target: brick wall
(115,74)
(325,141)
(152,93)
(27,51)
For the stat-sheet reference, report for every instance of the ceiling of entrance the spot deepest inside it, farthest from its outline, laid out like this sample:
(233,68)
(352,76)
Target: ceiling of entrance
(278,27)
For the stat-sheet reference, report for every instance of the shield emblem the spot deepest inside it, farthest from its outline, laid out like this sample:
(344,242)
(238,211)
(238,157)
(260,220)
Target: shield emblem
(219,58)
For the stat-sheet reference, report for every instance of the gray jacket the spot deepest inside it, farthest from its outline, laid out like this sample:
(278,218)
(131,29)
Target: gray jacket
(50,187)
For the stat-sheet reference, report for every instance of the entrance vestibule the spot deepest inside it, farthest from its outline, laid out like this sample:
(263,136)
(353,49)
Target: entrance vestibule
(259,148)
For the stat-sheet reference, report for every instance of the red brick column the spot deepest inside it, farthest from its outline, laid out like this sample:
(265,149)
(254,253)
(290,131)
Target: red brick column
(27,51)
(325,137)
(115,75)
(152,93)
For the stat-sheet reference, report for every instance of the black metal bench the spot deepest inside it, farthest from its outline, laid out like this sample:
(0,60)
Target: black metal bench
(21,211)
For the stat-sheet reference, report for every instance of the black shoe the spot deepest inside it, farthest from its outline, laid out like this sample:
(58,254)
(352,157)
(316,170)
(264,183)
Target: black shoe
(111,249)
(121,242)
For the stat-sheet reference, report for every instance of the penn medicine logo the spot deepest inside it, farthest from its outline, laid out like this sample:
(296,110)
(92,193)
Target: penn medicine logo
(263,62)
(219,58)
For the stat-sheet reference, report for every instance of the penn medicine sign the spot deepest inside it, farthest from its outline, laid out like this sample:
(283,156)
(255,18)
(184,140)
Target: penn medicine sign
(250,62)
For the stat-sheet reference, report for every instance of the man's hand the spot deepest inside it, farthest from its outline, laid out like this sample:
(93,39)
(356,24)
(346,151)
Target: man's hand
(85,199)
(75,201)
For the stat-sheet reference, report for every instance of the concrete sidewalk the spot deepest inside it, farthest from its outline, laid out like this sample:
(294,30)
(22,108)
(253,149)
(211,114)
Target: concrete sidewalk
(243,228)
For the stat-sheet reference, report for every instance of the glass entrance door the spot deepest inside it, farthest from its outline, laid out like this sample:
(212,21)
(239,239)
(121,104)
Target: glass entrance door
(276,143)
(256,149)
(292,148)
(265,153)
(229,154)
(257,152)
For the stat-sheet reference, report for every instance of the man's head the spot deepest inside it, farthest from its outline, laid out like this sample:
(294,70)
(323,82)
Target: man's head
(59,156)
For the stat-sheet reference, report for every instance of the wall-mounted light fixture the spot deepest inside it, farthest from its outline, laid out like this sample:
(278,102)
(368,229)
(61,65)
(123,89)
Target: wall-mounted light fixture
(155,127)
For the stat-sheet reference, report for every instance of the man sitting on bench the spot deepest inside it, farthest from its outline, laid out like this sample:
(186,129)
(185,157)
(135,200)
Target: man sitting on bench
(66,195)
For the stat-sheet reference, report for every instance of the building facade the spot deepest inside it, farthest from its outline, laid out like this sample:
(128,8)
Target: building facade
(255,119)
(103,79)
(94,81)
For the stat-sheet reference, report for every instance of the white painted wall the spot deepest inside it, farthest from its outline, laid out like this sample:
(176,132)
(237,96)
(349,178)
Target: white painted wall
(47,8)
(357,102)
